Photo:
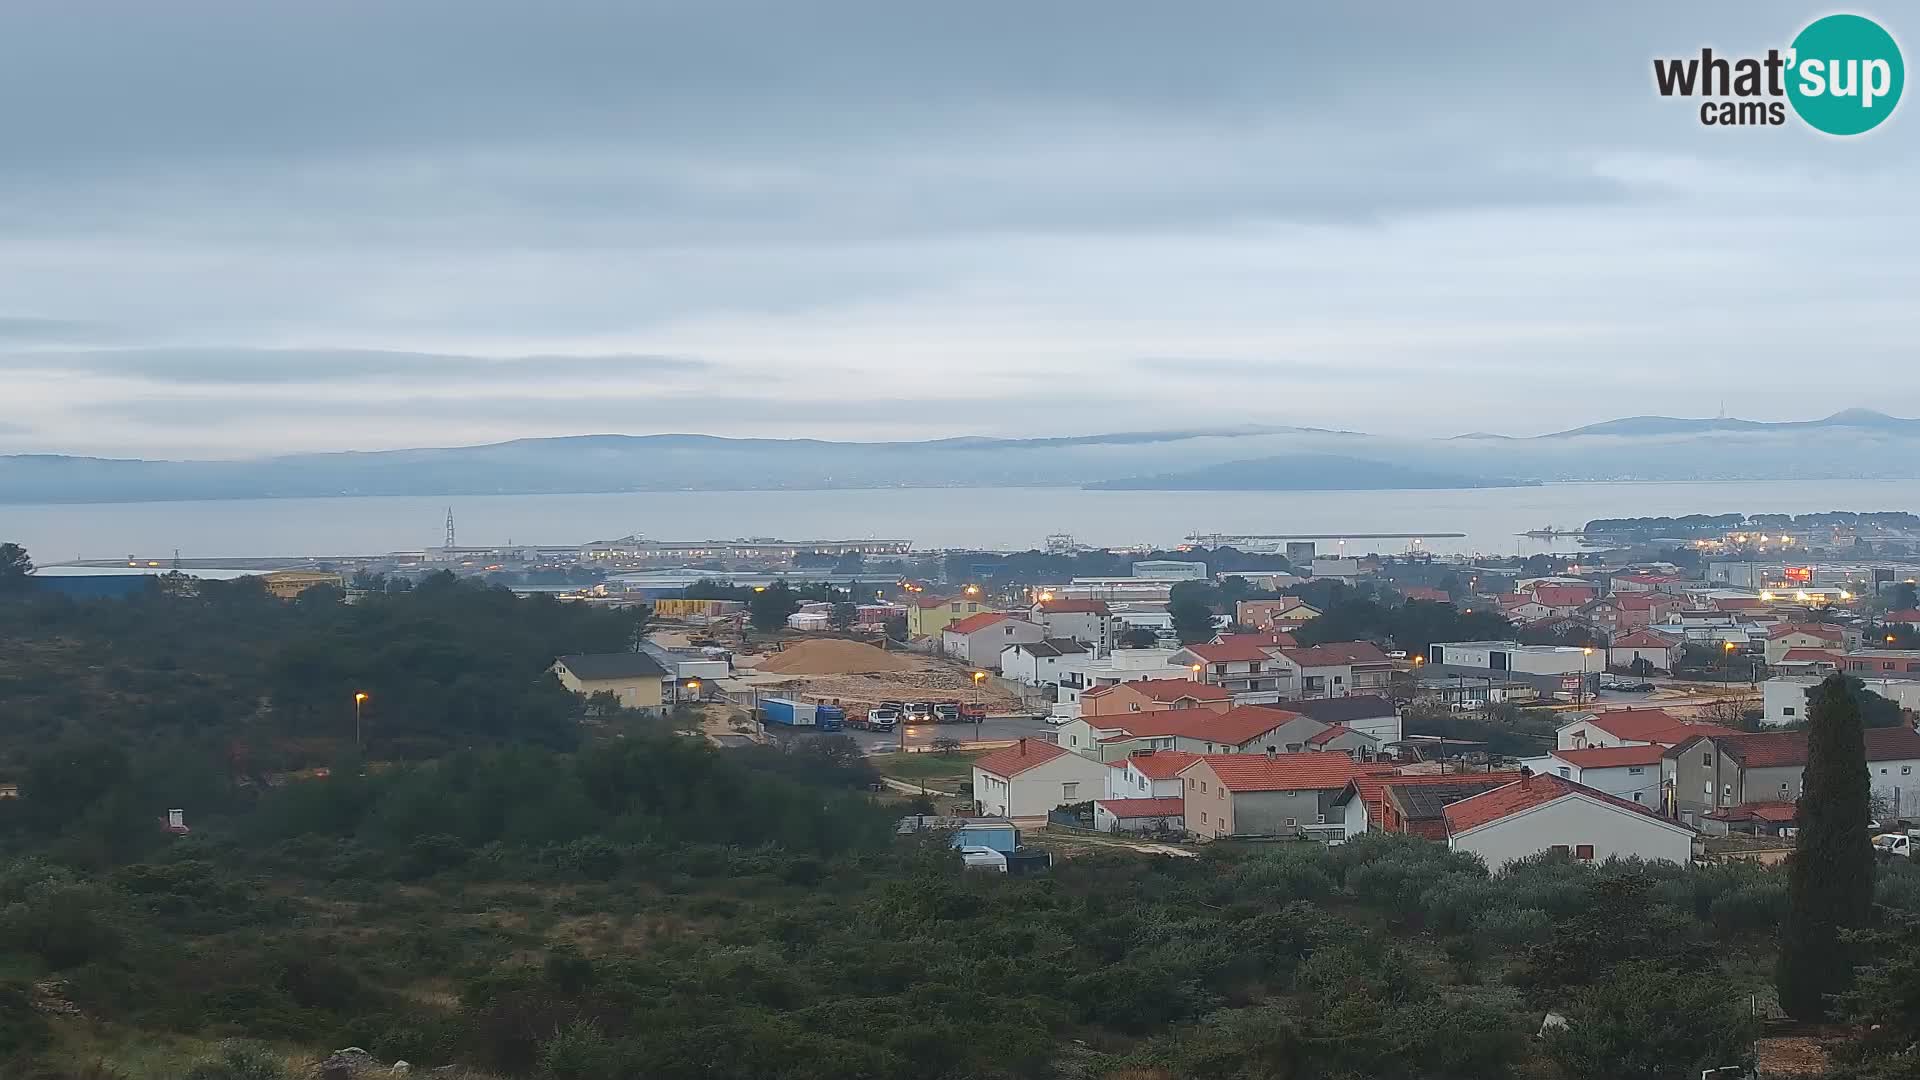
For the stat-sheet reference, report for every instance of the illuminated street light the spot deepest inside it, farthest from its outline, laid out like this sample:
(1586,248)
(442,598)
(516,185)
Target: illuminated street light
(359,699)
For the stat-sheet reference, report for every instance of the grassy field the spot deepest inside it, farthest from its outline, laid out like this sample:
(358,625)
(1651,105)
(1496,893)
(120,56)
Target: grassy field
(934,769)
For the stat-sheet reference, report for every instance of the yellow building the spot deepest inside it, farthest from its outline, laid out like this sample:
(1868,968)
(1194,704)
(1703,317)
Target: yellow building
(636,679)
(287,584)
(927,616)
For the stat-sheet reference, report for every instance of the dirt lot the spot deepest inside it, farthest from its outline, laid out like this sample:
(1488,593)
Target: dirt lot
(923,678)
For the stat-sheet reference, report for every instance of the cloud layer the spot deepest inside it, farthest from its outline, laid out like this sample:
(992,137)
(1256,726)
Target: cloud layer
(228,229)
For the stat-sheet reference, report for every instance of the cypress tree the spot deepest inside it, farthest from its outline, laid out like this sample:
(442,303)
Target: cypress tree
(1830,878)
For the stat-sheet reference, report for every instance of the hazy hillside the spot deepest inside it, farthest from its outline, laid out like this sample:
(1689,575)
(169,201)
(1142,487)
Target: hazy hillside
(1299,472)
(1855,443)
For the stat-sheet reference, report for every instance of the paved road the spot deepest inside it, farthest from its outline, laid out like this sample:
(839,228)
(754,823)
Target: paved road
(996,729)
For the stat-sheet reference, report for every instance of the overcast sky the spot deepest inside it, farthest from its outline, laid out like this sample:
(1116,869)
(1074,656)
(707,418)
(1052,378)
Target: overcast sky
(245,227)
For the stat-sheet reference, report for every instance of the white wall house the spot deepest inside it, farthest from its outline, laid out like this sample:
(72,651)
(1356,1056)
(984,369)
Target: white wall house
(1043,663)
(1546,813)
(1032,777)
(978,639)
(1630,772)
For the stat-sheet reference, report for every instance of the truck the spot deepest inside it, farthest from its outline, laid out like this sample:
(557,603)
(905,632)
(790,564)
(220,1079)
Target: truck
(882,718)
(1896,845)
(785,712)
(946,712)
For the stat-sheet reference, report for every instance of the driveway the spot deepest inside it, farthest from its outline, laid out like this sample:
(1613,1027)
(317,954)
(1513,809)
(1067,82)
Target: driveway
(997,729)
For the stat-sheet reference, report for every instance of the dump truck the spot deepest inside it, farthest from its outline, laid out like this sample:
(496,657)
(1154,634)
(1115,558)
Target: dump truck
(785,712)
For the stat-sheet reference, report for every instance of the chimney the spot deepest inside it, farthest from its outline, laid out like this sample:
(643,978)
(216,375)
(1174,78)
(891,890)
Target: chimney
(1526,778)
(1272,754)
(1023,746)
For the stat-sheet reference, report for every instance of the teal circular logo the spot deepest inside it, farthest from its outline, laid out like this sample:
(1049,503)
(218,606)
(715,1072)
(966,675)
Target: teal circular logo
(1846,74)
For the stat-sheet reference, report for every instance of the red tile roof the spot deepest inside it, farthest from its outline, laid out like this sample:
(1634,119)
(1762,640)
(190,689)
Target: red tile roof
(1424,592)
(1644,639)
(1069,607)
(1333,732)
(1903,615)
(1231,728)
(1819,630)
(1283,772)
(1779,813)
(1372,790)
(1640,601)
(1525,794)
(975,622)
(1170,806)
(1011,761)
(1738,603)
(1568,596)
(1652,725)
(1168,690)
(1646,579)
(1805,655)
(924,601)
(1778,749)
(1234,649)
(1611,757)
(1160,764)
(1337,653)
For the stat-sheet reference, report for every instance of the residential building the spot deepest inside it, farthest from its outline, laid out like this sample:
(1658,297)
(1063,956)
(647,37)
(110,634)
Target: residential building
(1712,773)
(1815,662)
(1423,593)
(1242,730)
(1123,666)
(1148,774)
(1042,663)
(1549,813)
(1333,566)
(1642,583)
(1371,714)
(1626,612)
(1140,815)
(979,639)
(1397,803)
(927,616)
(1782,638)
(1338,669)
(635,678)
(1882,663)
(1153,695)
(1630,727)
(1032,777)
(1090,622)
(1629,772)
(1286,614)
(1548,669)
(1562,599)
(1341,739)
(1249,665)
(1263,794)
(1784,699)
(1644,650)
(1522,607)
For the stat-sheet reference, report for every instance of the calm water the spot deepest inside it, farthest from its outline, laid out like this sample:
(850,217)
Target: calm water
(987,518)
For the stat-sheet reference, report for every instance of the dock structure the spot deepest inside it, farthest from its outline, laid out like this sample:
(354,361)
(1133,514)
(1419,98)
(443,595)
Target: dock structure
(1227,538)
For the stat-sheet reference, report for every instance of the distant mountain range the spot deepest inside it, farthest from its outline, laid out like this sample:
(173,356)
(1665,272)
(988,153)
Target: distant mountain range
(1854,443)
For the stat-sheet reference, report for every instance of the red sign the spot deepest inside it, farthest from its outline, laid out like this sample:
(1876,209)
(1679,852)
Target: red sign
(1800,574)
(1571,682)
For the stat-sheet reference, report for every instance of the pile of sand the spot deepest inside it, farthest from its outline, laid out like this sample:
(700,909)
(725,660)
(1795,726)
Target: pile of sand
(832,656)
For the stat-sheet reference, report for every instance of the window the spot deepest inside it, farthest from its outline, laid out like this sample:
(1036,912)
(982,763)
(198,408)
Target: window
(1319,819)
(1559,849)
(1565,772)
(1906,770)
(1788,711)
(1190,782)
(1636,797)
(1584,852)
(1203,817)
(1203,785)
(1783,787)
(1635,770)
(1706,761)
(1069,790)
(1291,823)
(1221,794)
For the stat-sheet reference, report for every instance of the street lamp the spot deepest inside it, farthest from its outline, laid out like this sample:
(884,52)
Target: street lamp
(1586,654)
(979,714)
(359,699)
(693,687)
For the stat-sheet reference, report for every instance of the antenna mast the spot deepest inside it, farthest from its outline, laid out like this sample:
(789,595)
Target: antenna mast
(450,527)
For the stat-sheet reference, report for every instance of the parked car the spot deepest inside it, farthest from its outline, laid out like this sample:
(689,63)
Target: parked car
(1469,705)
(1056,720)
(1896,845)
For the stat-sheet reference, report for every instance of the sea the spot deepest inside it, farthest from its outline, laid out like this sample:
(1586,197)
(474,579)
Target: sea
(1490,519)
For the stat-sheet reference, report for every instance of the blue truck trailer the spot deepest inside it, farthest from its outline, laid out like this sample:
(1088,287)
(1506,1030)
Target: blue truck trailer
(786,712)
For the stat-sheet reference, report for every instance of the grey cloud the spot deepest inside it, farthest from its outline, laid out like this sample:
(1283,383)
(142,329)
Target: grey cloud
(29,330)
(252,365)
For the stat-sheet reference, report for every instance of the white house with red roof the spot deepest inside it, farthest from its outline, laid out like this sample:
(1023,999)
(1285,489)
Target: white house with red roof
(1625,612)
(1251,666)
(1550,813)
(1043,663)
(1782,638)
(1657,650)
(1147,774)
(1562,599)
(1341,739)
(979,639)
(1339,669)
(1642,583)
(1154,695)
(1031,777)
(1629,727)
(1629,772)
(1240,730)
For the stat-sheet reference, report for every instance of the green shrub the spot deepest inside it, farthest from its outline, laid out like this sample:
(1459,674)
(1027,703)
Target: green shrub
(238,1060)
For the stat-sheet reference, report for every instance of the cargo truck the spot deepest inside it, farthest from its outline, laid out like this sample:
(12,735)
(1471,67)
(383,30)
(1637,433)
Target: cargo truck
(784,712)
